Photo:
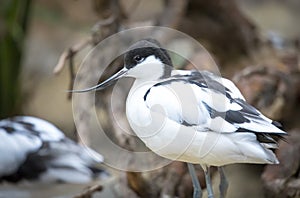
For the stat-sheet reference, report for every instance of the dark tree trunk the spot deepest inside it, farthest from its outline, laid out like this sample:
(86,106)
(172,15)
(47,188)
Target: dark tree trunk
(221,26)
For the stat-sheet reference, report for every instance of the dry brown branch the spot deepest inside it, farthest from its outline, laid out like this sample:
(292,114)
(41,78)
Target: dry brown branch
(226,31)
(273,81)
(283,180)
(141,186)
(70,52)
(88,193)
(72,74)
(174,175)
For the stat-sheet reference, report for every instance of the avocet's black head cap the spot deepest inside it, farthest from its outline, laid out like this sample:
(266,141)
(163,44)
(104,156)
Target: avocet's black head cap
(144,48)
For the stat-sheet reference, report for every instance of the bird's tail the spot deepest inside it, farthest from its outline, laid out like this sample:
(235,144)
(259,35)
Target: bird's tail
(64,161)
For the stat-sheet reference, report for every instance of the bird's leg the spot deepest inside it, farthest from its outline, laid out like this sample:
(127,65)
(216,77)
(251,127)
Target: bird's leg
(197,189)
(210,193)
(223,183)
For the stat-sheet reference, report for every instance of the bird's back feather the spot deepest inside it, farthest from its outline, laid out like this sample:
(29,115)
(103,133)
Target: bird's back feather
(34,149)
(210,103)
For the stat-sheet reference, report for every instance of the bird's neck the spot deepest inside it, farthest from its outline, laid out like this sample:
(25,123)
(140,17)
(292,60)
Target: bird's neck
(167,70)
(155,72)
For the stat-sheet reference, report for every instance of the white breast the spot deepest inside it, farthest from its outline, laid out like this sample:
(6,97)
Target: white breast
(170,139)
(153,127)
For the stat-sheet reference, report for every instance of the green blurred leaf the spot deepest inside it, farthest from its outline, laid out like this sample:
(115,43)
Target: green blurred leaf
(13,25)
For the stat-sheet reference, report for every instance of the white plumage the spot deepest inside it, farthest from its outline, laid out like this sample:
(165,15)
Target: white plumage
(179,104)
(192,116)
(34,149)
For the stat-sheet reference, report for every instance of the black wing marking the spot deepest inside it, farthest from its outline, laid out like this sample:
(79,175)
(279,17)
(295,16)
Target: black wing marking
(49,154)
(202,79)
(237,118)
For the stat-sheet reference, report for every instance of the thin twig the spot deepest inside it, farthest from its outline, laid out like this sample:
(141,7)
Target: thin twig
(104,22)
(66,54)
(88,193)
(61,62)
(72,74)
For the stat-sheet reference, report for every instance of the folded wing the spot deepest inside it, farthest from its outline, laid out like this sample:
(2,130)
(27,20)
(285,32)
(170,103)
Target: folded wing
(34,149)
(210,103)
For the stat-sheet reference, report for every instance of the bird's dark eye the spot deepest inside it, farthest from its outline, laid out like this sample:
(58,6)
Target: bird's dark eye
(138,58)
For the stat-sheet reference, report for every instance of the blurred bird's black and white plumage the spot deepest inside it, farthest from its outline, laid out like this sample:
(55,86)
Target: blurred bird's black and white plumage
(34,149)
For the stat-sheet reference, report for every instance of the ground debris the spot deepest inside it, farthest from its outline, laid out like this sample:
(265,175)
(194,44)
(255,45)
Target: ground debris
(268,88)
(283,180)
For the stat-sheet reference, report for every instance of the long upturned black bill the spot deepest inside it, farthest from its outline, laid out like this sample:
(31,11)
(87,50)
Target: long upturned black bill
(105,83)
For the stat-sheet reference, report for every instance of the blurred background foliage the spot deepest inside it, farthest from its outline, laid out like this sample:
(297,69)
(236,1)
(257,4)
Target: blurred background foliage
(13,28)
